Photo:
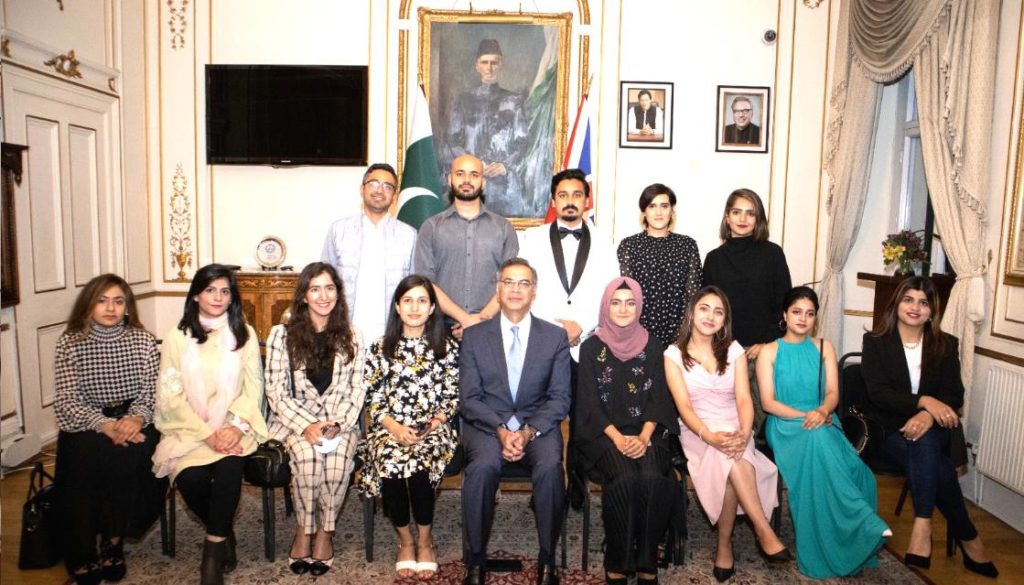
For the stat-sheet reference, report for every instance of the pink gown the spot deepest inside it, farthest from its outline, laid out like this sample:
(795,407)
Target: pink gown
(713,398)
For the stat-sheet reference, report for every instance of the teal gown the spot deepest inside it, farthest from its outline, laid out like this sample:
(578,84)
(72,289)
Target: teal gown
(832,493)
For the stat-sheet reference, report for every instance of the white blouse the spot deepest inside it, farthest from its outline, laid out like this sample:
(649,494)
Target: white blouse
(914,366)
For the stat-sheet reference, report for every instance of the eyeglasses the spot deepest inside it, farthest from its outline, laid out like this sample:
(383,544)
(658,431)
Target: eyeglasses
(746,111)
(375,184)
(514,284)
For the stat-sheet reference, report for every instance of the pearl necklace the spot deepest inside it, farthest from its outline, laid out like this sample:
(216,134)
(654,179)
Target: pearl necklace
(913,344)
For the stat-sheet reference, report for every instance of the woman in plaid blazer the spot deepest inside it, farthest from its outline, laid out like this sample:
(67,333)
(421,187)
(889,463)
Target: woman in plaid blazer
(314,377)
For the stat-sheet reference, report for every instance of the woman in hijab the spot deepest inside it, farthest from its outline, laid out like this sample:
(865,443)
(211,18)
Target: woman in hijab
(625,422)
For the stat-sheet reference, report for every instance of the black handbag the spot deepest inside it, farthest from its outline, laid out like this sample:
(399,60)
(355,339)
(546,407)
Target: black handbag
(268,466)
(40,546)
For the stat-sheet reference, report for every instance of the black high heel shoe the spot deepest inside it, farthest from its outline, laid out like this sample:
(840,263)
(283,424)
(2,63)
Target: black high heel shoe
(112,565)
(723,575)
(912,560)
(986,569)
(783,556)
(615,580)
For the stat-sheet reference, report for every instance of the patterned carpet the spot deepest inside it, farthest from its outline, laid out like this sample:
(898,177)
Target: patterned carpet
(513,536)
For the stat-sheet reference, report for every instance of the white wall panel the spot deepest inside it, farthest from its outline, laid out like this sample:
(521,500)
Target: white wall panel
(85,212)
(84,26)
(46,343)
(134,142)
(44,178)
(8,375)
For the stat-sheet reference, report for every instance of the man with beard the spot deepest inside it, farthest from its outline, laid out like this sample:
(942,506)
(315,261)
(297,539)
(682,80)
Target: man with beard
(461,248)
(372,251)
(575,261)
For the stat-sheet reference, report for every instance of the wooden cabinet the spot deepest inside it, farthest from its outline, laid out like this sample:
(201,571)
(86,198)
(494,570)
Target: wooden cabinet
(885,287)
(266,298)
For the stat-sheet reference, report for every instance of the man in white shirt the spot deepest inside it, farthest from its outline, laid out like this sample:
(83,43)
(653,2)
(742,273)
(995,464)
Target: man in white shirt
(372,251)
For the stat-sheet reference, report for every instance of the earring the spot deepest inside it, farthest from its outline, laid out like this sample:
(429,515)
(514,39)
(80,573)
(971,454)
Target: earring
(782,324)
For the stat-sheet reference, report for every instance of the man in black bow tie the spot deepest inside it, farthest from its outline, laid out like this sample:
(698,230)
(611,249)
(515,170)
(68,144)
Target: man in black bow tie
(574,261)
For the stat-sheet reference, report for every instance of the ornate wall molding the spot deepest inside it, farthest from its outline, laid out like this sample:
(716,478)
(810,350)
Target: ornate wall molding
(5,47)
(180,224)
(66,64)
(812,4)
(177,23)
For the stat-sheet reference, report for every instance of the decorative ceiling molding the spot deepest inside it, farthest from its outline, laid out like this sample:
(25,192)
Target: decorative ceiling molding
(177,23)
(66,64)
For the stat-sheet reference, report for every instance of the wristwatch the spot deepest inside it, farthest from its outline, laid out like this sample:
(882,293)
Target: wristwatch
(533,432)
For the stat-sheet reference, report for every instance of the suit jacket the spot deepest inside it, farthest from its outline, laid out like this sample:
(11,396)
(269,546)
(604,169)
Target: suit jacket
(596,270)
(543,398)
(887,377)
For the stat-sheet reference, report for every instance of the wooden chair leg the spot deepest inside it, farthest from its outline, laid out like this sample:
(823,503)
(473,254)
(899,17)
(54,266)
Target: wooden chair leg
(777,514)
(369,508)
(289,506)
(903,497)
(171,521)
(950,540)
(268,524)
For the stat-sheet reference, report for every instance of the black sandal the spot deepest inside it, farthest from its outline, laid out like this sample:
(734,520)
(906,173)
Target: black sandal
(112,565)
(91,576)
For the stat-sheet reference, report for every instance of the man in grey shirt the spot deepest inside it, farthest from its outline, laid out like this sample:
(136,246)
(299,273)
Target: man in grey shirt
(461,248)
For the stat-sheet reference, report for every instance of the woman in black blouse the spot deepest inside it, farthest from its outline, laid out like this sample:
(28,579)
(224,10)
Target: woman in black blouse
(666,264)
(912,372)
(106,369)
(754,274)
(625,420)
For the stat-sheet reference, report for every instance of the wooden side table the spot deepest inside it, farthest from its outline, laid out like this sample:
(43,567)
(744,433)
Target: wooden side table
(266,297)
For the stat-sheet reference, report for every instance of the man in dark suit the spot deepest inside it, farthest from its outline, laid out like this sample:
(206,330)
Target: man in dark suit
(513,413)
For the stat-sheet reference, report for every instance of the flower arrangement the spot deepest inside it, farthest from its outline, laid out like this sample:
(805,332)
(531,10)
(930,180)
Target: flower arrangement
(903,249)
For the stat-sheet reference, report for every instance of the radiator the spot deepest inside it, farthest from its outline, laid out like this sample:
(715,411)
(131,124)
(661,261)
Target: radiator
(1001,452)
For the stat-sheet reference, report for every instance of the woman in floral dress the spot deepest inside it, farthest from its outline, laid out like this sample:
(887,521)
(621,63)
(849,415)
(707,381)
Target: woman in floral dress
(412,384)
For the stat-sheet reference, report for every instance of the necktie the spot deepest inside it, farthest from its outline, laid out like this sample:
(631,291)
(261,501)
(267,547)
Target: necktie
(515,370)
(563,231)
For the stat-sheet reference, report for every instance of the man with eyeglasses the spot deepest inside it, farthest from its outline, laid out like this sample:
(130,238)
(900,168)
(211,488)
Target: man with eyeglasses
(513,396)
(742,131)
(372,251)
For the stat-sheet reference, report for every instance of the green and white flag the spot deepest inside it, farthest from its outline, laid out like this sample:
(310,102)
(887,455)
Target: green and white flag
(421,192)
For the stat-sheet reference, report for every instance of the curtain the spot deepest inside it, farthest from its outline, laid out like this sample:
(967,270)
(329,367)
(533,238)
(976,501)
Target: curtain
(952,45)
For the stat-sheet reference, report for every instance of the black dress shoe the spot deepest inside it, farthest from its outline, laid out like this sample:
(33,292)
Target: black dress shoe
(230,558)
(723,575)
(547,575)
(112,565)
(912,560)
(986,569)
(475,575)
(783,556)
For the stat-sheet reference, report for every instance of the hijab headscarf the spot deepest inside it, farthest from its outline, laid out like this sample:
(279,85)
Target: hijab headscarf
(625,342)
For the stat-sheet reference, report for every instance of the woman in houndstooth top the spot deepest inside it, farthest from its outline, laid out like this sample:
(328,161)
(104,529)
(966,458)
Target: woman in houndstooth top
(315,389)
(412,378)
(106,368)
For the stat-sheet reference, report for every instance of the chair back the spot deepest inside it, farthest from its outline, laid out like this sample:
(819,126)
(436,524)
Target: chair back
(852,388)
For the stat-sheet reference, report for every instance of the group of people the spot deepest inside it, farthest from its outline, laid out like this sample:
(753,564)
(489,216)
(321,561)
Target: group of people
(465,334)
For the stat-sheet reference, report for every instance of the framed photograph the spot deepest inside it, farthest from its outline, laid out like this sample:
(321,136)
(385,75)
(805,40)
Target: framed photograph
(742,118)
(1014,274)
(645,114)
(497,87)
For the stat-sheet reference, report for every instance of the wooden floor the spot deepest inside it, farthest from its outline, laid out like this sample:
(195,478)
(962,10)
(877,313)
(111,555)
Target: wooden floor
(1000,539)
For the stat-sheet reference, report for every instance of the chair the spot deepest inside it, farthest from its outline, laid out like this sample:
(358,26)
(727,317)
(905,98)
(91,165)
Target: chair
(853,393)
(675,553)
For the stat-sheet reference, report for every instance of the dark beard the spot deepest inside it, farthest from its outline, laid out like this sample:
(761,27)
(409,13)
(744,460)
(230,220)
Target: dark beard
(454,194)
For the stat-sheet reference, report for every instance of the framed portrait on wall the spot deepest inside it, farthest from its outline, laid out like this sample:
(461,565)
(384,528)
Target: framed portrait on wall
(742,118)
(645,114)
(497,88)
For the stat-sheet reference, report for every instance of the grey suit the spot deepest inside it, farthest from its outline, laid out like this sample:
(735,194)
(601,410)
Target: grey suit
(542,401)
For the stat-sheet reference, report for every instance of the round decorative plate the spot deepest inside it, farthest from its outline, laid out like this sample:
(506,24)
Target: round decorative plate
(270,252)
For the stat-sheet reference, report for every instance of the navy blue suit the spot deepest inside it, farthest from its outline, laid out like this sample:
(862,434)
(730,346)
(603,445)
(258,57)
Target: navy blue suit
(542,401)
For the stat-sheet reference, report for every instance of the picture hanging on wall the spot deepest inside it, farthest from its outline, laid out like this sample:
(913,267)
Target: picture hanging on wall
(645,114)
(742,119)
(497,87)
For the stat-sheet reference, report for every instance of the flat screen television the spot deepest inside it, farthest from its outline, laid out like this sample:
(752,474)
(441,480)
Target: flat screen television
(286,114)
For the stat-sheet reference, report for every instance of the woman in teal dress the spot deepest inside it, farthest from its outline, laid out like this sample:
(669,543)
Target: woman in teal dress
(832,494)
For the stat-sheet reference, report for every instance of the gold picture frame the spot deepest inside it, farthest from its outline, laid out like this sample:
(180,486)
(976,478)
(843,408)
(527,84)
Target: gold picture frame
(1014,272)
(533,74)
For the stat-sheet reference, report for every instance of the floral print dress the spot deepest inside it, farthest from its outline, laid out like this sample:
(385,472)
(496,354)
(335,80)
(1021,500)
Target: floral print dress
(411,388)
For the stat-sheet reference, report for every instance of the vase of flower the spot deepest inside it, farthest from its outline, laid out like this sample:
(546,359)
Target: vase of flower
(904,250)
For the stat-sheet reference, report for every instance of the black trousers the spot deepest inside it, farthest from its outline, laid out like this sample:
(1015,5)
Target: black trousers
(639,498)
(212,492)
(397,493)
(99,486)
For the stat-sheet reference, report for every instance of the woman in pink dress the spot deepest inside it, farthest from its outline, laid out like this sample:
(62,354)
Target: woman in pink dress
(712,393)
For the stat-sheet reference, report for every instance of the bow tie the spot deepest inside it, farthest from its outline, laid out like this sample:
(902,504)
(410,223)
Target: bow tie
(564,231)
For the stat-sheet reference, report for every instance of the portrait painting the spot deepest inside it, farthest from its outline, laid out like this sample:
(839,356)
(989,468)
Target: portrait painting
(645,114)
(496,85)
(742,119)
